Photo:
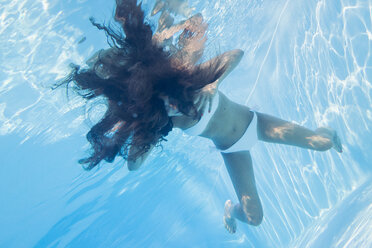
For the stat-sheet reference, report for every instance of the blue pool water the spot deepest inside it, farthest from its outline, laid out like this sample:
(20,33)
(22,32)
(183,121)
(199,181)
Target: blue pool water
(307,61)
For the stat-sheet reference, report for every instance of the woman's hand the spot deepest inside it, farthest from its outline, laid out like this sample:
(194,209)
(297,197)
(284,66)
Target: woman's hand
(205,97)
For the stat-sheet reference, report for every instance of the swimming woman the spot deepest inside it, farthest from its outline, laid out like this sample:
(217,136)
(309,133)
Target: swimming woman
(153,85)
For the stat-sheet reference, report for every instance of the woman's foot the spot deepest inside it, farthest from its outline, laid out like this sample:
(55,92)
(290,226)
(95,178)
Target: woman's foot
(337,145)
(333,136)
(229,221)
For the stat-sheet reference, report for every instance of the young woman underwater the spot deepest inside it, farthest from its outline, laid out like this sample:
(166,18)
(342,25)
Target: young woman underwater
(153,85)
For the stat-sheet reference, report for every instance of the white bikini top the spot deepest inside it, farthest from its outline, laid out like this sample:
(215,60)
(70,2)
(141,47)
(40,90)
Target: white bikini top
(201,125)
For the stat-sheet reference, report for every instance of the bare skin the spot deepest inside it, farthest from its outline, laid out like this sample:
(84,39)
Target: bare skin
(229,123)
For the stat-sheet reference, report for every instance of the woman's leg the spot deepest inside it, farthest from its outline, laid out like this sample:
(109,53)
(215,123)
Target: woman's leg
(249,210)
(275,130)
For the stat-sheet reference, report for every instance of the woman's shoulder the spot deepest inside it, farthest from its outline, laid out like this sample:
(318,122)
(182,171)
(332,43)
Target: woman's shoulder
(229,60)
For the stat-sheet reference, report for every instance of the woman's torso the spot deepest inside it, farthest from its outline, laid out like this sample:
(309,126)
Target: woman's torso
(226,126)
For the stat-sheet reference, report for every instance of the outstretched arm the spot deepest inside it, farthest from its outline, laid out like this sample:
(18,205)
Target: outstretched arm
(191,41)
(160,37)
(229,60)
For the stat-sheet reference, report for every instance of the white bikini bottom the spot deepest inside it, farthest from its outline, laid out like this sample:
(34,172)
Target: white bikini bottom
(248,140)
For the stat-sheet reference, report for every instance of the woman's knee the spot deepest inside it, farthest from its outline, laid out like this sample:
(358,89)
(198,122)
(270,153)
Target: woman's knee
(252,210)
(319,142)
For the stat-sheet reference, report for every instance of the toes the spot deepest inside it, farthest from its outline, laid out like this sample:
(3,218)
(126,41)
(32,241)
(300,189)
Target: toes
(337,145)
(234,226)
(228,228)
(230,224)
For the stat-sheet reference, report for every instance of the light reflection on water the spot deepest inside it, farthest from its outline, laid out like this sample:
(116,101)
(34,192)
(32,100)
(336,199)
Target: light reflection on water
(306,61)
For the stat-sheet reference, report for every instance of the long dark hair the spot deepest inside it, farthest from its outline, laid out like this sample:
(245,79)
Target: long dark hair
(133,75)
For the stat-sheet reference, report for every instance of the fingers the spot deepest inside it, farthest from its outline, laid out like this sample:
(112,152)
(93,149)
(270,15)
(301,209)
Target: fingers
(203,101)
(210,99)
(207,100)
(197,102)
(204,105)
(201,104)
(197,99)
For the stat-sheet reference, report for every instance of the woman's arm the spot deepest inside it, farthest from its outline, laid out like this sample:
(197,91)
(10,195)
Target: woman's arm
(229,60)
(191,41)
